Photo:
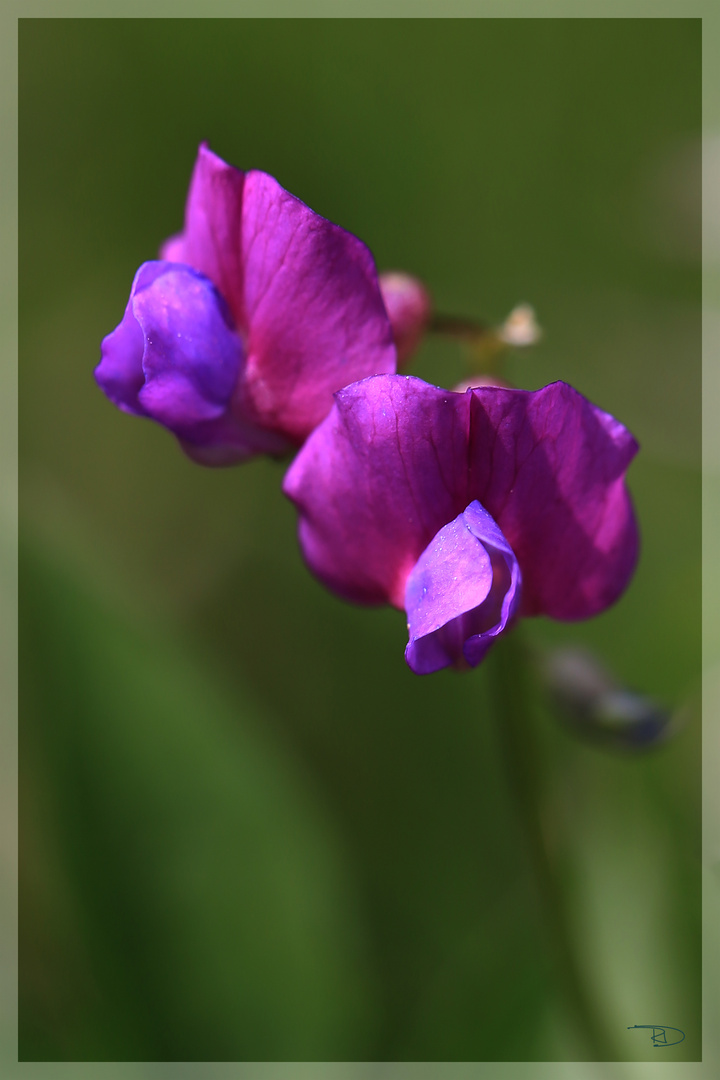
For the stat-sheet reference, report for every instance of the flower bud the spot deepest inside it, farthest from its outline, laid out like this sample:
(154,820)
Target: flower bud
(598,708)
(520,328)
(409,306)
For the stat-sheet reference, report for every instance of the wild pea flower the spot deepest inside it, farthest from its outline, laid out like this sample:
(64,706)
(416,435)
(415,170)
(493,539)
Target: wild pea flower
(237,338)
(466,510)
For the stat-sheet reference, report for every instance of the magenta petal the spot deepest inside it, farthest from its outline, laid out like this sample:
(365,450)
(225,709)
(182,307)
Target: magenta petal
(550,468)
(396,460)
(211,240)
(375,482)
(303,292)
(315,315)
(461,593)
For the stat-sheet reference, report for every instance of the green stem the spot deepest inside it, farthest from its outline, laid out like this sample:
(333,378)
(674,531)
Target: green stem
(509,670)
(484,348)
(459,327)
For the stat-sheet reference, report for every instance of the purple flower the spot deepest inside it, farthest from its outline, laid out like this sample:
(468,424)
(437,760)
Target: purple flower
(466,509)
(255,315)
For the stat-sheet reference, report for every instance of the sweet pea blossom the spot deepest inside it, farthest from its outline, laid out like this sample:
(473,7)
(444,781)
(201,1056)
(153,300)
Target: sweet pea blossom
(466,509)
(237,338)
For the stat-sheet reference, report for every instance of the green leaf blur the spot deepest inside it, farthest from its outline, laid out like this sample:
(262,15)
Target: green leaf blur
(203,913)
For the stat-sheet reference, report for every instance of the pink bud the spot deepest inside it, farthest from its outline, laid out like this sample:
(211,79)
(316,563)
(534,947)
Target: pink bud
(409,306)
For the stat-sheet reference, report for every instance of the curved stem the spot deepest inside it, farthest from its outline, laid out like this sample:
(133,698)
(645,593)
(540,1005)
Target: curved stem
(484,348)
(458,326)
(509,673)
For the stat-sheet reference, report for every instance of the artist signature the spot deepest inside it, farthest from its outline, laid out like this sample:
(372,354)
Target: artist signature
(659,1033)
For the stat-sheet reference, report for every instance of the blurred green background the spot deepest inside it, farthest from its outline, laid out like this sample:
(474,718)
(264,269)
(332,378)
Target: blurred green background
(248,831)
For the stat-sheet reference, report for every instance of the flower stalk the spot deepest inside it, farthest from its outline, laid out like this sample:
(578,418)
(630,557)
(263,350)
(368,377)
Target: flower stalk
(509,674)
(487,345)
(482,345)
